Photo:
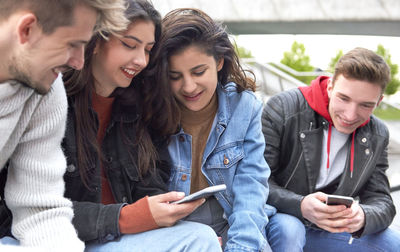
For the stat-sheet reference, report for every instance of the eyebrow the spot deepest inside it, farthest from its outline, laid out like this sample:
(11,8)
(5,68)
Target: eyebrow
(191,69)
(138,40)
(364,103)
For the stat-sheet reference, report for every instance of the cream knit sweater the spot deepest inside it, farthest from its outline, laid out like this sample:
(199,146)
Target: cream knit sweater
(31,129)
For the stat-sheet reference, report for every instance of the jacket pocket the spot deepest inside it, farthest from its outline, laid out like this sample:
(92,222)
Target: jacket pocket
(131,169)
(226,156)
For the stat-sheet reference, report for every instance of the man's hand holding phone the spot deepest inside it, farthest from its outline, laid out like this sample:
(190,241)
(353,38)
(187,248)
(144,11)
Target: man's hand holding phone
(332,218)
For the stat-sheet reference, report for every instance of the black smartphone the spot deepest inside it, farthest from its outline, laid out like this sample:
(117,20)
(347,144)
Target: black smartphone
(339,200)
(206,192)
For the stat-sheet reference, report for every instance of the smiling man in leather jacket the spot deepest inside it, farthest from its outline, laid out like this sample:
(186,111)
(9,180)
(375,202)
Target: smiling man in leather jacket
(323,139)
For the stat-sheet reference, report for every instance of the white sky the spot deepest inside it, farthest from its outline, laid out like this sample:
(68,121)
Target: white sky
(320,48)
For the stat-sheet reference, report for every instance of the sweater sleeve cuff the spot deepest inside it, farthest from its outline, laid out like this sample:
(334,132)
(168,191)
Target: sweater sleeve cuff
(136,217)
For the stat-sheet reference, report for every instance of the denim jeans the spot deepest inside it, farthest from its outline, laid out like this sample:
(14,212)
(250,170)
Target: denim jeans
(287,233)
(183,236)
(9,241)
(387,240)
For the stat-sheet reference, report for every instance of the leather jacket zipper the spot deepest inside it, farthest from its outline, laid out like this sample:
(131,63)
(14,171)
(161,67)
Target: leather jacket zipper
(359,180)
(298,162)
(294,171)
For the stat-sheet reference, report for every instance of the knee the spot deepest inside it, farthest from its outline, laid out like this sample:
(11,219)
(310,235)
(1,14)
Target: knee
(203,232)
(284,230)
(202,237)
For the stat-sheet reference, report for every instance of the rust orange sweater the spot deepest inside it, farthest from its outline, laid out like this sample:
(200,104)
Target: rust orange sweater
(136,217)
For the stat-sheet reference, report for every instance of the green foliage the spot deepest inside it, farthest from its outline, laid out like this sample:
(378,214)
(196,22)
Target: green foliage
(334,60)
(387,112)
(242,52)
(297,59)
(394,84)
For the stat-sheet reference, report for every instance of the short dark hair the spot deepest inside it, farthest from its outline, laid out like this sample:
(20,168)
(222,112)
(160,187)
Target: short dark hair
(364,65)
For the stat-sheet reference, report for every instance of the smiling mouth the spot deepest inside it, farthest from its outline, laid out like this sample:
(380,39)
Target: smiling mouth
(347,123)
(192,97)
(129,73)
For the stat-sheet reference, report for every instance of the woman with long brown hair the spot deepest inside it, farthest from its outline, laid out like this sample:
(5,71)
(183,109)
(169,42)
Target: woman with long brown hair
(220,139)
(118,127)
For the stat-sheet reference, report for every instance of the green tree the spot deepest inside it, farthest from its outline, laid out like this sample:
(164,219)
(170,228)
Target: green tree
(394,84)
(334,60)
(297,59)
(242,52)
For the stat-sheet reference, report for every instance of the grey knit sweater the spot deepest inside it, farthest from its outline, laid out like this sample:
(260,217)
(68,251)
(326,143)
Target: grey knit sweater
(31,130)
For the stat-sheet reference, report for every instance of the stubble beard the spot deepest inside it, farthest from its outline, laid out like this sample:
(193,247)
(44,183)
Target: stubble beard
(18,74)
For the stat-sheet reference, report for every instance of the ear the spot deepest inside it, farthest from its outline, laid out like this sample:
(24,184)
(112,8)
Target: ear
(329,87)
(379,102)
(220,64)
(25,27)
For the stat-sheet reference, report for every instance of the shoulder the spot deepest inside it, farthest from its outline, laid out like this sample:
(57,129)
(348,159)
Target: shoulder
(377,127)
(228,93)
(288,104)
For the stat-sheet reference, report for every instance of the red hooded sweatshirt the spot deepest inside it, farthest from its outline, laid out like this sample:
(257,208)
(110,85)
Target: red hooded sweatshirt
(316,96)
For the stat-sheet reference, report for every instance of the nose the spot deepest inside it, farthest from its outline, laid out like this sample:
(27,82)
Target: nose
(77,59)
(351,112)
(189,85)
(140,59)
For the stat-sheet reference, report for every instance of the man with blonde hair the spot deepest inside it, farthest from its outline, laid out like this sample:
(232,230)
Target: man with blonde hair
(38,40)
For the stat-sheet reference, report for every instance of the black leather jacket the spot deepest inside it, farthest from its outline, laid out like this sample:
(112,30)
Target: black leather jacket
(293,135)
(93,220)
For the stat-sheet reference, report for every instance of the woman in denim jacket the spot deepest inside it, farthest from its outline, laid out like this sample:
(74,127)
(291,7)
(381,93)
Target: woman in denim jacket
(220,140)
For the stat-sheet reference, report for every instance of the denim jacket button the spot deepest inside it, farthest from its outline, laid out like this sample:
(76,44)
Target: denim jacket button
(181,139)
(226,160)
(71,168)
(364,140)
(124,199)
(184,177)
(302,135)
(367,152)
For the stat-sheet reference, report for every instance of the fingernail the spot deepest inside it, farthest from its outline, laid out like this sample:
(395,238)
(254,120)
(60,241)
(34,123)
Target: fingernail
(180,194)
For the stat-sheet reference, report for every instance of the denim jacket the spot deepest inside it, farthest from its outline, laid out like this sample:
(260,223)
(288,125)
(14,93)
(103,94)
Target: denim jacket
(233,156)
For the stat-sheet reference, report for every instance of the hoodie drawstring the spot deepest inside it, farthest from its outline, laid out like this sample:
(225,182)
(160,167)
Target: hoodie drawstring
(352,154)
(328,149)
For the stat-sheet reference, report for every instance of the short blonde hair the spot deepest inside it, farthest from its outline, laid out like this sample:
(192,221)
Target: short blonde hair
(53,14)
(111,18)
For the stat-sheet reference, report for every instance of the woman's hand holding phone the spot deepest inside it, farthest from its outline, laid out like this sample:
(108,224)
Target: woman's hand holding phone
(166,214)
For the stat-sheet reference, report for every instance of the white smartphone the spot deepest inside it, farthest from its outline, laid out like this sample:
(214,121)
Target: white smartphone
(206,192)
(339,200)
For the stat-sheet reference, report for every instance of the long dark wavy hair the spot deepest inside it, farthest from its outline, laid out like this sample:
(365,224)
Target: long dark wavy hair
(185,27)
(153,102)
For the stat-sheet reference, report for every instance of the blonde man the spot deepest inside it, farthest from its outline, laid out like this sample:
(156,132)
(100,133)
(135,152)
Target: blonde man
(38,40)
